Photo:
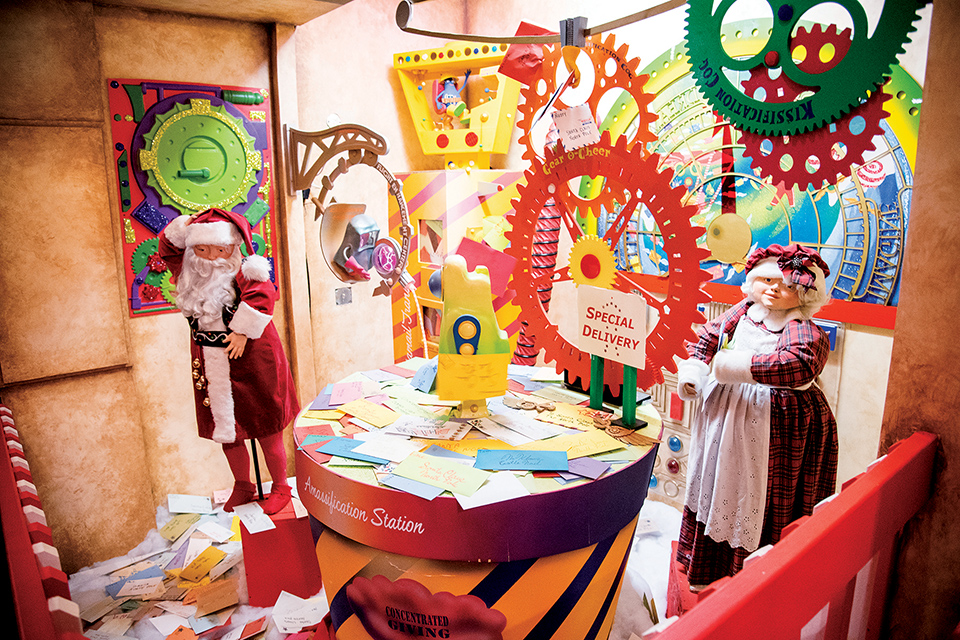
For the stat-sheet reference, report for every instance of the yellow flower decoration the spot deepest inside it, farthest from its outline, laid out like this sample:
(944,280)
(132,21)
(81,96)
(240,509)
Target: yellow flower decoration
(592,262)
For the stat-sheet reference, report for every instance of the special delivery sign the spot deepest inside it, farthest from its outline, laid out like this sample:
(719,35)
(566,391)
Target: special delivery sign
(612,325)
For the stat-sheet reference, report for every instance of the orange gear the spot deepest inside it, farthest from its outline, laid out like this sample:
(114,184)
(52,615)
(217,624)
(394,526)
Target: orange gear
(621,74)
(631,172)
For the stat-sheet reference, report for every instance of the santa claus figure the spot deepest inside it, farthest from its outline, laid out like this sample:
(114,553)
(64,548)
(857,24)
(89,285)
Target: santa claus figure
(242,382)
(764,443)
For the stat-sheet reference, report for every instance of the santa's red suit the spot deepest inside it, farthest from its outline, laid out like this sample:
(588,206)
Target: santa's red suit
(252,396)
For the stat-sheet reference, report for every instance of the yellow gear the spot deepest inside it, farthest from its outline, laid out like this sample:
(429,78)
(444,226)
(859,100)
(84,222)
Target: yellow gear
(592,262)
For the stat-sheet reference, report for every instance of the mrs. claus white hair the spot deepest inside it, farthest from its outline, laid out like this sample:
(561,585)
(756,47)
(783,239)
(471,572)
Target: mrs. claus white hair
(811,300)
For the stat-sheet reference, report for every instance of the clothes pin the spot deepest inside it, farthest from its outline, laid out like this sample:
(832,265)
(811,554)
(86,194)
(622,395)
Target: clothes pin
(596,382)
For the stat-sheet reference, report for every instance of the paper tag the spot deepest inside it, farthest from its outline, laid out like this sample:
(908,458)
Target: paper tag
(179,503)
(253,517)
(425,377)
(178,524)
(577,127)
(442,472)
(201,565)
(217,532)
(377,415)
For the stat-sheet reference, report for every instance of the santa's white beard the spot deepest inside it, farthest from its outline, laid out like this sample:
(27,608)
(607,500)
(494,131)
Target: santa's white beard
(205,287)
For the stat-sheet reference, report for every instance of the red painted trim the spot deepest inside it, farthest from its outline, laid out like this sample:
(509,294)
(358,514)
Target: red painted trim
(778,593)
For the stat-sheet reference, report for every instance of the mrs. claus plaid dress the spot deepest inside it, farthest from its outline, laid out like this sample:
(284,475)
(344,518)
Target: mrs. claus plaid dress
(802,458)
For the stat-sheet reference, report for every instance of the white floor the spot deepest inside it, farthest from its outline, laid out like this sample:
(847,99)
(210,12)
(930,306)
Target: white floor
(647,571)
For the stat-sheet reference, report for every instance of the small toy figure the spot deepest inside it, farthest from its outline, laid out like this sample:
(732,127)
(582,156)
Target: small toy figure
(449,103)
(242,383)
(474,351)
(764,444)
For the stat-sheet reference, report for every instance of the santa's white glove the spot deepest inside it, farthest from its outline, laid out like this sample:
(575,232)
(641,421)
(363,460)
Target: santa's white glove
(730,367)
(224,434)
(691,378)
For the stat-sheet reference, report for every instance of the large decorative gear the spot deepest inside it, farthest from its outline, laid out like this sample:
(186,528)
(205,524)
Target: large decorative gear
(636,175)
(612,70)
(819,156)
(197,156)
(835,91)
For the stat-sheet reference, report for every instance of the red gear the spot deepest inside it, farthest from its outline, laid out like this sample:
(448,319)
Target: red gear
(812,154)
(630,171)
(623,76)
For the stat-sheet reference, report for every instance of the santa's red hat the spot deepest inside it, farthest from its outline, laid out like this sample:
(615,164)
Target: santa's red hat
(219,227)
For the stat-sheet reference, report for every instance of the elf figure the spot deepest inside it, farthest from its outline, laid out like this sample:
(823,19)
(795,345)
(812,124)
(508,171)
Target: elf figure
(764,443)
(242,383)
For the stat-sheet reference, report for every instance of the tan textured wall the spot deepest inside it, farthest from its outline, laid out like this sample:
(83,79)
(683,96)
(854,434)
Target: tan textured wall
(109,441)
(136,44)
(346,70)
(924,389)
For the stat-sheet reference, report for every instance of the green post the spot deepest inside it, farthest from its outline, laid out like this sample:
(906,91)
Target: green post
(629,391)
(596,382)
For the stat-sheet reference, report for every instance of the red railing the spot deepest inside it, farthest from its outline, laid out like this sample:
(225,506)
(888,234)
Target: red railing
(41,594)
(828,577)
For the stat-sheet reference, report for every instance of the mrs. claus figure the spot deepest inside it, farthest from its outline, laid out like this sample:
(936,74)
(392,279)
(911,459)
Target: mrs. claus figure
(764,443)
(243,387)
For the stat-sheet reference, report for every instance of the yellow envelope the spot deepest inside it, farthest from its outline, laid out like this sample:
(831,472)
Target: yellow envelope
(568,415)
(322,414)
(178,524)
(578,445)
(377,415)
(467,446)
(202,564)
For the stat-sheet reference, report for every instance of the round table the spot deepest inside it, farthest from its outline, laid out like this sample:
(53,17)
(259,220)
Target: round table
(545,565)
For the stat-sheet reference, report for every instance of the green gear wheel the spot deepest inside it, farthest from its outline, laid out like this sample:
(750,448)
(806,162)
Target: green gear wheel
(835,91)
(167,287)
(197,156)
(143,252)
(139,260)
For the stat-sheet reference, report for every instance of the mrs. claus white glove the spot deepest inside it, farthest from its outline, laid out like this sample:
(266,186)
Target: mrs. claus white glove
(733,366)
(691,377)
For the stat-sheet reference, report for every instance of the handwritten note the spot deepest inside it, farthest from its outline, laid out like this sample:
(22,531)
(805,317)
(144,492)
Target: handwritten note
(377,415)
(180,503)
(500,432)
(253,517)
(201,565)
(569,415)
(442,472)
(344,447)
(498,488)
(344,392)
(521,460)
(533,429)
(394,449)
(430,428)
(586,468)
(578,445)
(178,524)
(577,127)
(470,446)
(425,378)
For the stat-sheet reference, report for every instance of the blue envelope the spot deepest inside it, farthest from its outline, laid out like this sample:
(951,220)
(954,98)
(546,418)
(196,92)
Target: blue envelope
(521,460)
